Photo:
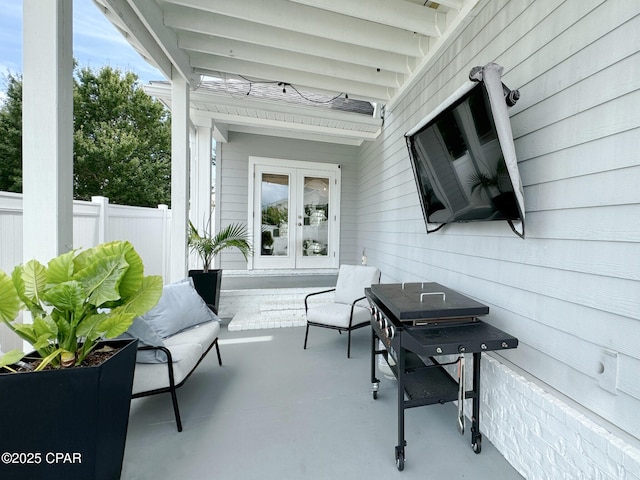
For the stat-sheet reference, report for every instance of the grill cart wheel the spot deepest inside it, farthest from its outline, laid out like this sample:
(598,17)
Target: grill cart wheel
(477,446)
(400,460)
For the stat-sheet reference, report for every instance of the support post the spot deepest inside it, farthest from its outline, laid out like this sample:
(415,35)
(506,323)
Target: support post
(179,177)
(200,211)
(47,129)
(166,242)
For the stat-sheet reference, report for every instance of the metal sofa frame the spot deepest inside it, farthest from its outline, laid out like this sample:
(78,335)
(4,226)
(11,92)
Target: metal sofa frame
(172,385)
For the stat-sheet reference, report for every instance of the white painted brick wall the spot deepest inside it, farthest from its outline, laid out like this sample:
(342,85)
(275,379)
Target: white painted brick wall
(267,308)
(545,438)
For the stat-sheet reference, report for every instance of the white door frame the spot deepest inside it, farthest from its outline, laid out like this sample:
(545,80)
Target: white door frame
(296,169)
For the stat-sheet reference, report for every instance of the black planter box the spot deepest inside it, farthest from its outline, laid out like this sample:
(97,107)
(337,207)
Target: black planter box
(207,284)
(67,423)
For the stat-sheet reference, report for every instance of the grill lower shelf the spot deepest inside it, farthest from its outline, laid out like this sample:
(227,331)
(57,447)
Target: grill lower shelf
(425,383)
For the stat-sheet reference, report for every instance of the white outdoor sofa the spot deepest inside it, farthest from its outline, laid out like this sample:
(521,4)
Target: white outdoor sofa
(173,339)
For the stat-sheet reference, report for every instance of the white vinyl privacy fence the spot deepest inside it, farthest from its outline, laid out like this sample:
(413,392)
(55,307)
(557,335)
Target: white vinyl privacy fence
(93,223)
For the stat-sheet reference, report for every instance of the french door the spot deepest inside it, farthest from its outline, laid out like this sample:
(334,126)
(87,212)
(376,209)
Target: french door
(295,215)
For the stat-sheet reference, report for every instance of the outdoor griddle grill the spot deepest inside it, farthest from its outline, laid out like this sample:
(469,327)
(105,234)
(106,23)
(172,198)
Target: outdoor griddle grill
(417,322)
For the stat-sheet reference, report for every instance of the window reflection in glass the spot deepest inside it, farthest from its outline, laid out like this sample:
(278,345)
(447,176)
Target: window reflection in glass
(315,241)
(274,203)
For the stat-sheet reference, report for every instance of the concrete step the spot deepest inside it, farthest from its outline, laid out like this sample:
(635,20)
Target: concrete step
(267,279)
(267,308)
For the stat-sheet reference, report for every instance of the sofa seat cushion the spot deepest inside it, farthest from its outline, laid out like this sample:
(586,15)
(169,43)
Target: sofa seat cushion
(203,334)
(153,376)
(337,315)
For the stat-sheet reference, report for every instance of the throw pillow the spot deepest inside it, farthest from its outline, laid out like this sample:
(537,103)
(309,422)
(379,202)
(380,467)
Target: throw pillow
(146,337)
(180,307)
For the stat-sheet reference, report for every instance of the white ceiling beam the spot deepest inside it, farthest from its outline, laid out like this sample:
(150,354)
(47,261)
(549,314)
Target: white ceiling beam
(122,30)
(211,24)
(202,99)
(220,132)
(119,12)
(233,120)
(312,21)
(456,4)
(403,15)
(222,124)
(212,65)
(275,106)
(455,22)
(434,4)
(234,49)
(355,142)
(151,16)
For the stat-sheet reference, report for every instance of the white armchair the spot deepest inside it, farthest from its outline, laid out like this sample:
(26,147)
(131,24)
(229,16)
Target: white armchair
(349,309)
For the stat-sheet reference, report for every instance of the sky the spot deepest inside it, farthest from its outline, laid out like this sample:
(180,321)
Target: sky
(95,42)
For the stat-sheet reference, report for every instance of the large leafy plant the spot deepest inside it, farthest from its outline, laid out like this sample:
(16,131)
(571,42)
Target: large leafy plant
(75,301)
(208,246)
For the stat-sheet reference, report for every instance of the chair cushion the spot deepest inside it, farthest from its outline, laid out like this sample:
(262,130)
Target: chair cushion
(352,280)
(337,315)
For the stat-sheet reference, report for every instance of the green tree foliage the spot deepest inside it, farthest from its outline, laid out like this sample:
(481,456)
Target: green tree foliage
(122,139)
(11,136)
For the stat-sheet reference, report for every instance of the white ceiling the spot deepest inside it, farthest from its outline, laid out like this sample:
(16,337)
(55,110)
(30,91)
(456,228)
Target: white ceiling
(367,50)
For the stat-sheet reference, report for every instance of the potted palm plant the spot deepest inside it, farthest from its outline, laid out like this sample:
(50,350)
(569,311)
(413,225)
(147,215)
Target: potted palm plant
(498,187)
(207,281)
(73,392)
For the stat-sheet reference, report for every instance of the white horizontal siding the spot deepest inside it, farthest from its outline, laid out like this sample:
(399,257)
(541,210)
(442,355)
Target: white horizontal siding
(571,290)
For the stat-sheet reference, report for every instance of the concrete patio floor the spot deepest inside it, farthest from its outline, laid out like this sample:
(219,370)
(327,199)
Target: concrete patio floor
(276,411)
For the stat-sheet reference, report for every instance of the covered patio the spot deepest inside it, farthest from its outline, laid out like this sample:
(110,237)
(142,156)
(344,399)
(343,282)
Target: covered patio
(313,71)
(249,75)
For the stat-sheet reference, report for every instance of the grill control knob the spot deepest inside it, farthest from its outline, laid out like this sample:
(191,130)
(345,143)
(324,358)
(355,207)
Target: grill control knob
(391,331)
(462,349)
(483,346)
(438,350)
(505,345)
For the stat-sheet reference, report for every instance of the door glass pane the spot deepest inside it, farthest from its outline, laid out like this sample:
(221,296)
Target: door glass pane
(315,241)
(274,202)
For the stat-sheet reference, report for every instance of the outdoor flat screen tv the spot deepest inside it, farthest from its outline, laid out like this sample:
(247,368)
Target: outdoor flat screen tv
(463,156)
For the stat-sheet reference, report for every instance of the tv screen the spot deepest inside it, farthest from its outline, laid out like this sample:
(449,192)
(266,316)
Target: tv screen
(464,164)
